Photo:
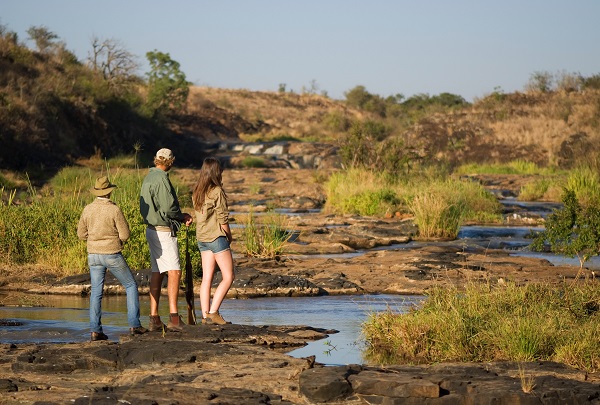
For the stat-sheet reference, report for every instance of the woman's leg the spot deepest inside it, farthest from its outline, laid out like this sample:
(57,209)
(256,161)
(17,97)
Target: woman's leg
(118,267)
(208,271)
(225,261)
(97,273)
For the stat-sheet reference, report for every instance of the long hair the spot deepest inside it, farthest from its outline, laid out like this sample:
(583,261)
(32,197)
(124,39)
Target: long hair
(210,177)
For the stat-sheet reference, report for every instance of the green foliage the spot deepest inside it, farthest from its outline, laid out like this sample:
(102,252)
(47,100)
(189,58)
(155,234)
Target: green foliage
(533,322)
(168,88)
(50,237)
(571,231)
(361,192)
(253,161)
(441,206)
(266,239)
(368,145)
(518,166)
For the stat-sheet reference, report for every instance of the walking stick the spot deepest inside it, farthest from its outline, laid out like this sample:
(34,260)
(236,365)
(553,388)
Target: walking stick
(189,283)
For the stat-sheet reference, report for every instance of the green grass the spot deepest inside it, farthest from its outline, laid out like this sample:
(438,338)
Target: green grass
(43,231)
(534,322)
(264,237)
(518,166)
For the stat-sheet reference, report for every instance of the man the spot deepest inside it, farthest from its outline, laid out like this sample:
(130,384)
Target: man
(104,227)
(162,215)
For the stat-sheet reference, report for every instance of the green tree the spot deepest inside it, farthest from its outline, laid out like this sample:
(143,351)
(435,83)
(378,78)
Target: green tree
(572,231)
(168,88)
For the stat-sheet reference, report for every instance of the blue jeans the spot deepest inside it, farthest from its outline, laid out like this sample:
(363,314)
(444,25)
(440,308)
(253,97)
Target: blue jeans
(117,265)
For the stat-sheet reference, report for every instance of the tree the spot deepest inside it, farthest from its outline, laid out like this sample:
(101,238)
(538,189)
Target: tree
(110,59)
(572,231)
(44,39)
(168,88)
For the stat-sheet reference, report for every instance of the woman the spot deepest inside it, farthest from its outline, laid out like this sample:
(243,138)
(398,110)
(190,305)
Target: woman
(214,238)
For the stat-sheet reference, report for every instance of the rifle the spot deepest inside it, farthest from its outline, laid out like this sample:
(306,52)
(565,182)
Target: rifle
(189,283)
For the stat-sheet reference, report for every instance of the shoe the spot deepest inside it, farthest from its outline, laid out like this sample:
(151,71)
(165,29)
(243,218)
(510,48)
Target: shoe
(215,318)
(140,330)
(175,327)
(98,336)
(156,324)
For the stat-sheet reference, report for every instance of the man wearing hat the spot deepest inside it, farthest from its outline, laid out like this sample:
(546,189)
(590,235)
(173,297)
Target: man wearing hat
(163,216)
(104,227)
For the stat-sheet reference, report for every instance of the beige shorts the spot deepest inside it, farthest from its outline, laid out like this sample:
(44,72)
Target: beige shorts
(164,251)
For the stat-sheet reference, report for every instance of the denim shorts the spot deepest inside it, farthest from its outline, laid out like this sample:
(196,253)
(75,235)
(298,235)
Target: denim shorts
(218,245)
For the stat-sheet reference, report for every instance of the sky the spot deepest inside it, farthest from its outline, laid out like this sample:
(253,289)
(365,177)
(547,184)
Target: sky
(469,48)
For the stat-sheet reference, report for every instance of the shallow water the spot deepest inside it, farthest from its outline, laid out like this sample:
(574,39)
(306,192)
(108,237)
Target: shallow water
(65,319)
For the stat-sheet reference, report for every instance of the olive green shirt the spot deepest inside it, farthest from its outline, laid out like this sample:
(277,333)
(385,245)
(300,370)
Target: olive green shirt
(158,200)
(212,215)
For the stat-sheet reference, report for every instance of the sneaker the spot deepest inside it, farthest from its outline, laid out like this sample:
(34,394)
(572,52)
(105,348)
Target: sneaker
(140,330)
(156,324)
(215,318)
(98,336)
(175,326)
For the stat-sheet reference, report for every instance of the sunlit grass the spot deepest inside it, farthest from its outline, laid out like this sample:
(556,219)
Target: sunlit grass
(534,322)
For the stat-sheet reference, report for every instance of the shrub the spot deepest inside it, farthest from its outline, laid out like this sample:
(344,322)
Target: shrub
(266,239)
(361,192)
(533,322)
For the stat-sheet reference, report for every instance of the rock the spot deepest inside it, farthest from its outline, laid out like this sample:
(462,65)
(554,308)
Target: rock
(327,384)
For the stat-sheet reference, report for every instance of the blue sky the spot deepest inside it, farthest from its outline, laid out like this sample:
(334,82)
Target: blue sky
(464,47)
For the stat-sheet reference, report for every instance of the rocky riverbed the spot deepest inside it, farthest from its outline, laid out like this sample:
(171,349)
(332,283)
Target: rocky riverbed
(242,364)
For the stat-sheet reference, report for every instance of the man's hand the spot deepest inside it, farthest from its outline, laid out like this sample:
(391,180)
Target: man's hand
(187,219)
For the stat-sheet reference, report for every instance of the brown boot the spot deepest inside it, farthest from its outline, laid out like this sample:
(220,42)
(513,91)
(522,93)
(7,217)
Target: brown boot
(155,324)
(214,318)
(175,323)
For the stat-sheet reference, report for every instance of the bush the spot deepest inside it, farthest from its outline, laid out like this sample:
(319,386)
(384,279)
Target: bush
(360,192)
(534,322)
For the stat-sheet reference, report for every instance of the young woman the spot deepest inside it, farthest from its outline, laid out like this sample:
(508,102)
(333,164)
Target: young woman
(214,238)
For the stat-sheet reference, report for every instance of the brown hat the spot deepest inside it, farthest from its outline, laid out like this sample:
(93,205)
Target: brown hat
(102,187)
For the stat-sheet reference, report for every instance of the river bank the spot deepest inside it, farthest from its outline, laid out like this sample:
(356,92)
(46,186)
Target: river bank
(247,364)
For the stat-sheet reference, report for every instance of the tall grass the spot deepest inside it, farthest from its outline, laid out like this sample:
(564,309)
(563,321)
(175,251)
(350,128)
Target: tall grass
(518,166)
(360,192)
(266,238)
(44,232)
(534,322)
(441,206)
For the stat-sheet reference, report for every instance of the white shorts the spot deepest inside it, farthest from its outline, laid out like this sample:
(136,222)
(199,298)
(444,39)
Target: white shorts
(164,251)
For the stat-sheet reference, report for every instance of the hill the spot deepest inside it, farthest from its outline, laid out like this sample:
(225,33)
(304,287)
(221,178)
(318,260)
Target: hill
(54,111)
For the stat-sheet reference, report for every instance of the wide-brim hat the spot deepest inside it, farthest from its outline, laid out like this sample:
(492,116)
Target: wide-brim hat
(102,187)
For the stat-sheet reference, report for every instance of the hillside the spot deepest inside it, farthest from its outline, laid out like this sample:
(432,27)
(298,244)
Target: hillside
(55,111)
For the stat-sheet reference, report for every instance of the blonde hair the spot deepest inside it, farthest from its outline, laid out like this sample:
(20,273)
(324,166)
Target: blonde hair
(163,162)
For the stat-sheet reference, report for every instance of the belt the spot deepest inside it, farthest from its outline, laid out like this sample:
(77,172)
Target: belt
(159,228)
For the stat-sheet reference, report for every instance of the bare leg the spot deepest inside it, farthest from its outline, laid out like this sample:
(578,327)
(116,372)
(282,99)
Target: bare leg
(208,271)
(173,289)
(225,262)
(155,285)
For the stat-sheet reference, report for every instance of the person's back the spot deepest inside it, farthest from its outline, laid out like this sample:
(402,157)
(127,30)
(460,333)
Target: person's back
(104,228)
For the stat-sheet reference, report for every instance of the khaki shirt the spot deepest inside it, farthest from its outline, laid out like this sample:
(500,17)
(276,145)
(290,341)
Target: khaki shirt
(212,215)
(104,227)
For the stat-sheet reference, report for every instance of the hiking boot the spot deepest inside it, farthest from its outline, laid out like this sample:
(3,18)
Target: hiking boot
(215,318)
(175,324)
(155,324)
(95,336)
(140,330)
